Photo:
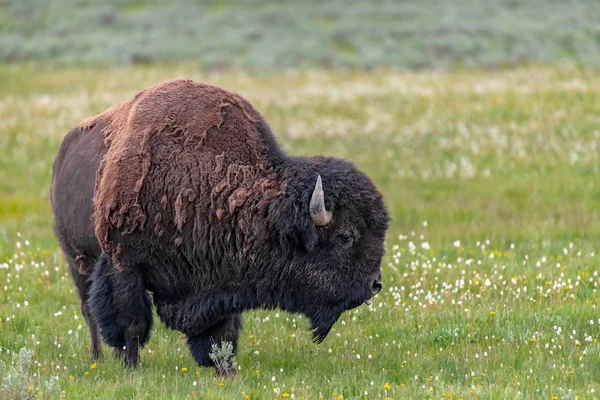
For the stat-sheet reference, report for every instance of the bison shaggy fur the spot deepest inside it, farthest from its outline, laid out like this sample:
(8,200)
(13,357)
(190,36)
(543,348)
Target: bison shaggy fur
(183,192)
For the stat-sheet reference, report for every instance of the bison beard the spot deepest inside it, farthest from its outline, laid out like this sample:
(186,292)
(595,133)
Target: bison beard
(183,192)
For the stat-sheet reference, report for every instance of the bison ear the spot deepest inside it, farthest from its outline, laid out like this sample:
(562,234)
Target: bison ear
(307,234)
(293,225)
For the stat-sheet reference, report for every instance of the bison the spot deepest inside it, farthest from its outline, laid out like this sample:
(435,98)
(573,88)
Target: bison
(184,192)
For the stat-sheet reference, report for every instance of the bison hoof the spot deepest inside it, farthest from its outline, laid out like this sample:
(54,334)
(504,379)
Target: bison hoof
(96,354)
(117,353)
(133,364)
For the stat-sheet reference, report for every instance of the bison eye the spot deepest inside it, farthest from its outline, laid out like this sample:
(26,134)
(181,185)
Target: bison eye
(346,238)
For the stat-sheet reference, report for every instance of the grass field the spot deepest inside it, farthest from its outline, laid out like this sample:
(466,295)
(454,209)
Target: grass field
(491,275)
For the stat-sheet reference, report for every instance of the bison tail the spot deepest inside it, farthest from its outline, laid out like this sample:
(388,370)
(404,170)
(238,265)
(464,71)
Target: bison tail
(120,304)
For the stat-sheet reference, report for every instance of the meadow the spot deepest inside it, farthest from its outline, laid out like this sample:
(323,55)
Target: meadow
(491,275)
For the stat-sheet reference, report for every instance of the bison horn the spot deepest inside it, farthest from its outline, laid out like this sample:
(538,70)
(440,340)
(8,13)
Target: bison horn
(319,214)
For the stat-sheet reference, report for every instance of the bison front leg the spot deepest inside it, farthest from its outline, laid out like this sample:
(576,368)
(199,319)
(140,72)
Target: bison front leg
(122,308)
(201,345)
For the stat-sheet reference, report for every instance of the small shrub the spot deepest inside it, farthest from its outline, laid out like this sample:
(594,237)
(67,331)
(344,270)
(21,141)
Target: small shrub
(17,383)
(222,356)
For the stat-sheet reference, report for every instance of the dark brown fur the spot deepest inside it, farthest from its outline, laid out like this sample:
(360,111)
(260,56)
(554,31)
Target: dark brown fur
(195,202)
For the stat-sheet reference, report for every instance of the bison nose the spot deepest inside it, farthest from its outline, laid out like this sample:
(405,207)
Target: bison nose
(377,286)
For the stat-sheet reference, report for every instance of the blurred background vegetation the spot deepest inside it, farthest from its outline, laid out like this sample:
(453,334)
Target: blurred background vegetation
(267,34)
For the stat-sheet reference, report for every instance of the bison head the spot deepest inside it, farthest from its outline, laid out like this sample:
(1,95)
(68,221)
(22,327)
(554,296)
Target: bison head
(337,232)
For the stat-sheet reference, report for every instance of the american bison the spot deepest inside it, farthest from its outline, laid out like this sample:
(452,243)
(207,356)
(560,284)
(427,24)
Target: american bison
(183,192)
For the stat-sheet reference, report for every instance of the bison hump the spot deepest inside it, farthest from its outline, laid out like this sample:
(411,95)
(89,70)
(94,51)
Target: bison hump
(170,129)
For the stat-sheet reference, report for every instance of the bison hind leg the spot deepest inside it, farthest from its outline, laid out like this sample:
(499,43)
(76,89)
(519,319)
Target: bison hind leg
(83,287)
(225,331)
(122,308)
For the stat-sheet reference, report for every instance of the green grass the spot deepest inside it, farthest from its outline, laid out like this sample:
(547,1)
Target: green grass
(491,275)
